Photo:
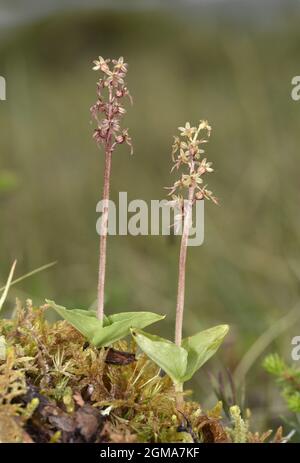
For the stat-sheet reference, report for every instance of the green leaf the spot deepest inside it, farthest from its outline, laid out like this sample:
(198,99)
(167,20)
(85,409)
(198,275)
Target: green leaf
(120,324)
(201,347)
(114,327)
(171,358)
(180,363)
(84,321)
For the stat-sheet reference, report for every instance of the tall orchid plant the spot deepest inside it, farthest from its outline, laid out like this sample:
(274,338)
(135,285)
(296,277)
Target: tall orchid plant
(108,111)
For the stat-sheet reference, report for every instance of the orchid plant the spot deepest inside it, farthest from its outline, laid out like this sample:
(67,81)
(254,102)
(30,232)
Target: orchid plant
(180,360)
(108,111)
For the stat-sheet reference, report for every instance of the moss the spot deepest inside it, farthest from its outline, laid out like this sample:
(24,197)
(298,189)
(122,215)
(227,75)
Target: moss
(54,387)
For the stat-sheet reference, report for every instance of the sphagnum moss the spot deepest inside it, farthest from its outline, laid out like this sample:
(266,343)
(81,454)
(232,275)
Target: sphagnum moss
(52,382)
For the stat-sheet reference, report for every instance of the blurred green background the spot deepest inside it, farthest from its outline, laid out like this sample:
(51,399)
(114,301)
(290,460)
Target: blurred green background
(222,64)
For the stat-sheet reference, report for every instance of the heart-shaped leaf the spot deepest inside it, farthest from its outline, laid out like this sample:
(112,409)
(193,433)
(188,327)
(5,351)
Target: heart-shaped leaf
(114,327)
(201,347)
(180,363)
(84,321)
(120,325)
(171,358)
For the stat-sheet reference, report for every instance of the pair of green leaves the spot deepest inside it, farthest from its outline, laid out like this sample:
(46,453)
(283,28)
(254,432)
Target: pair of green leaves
(180,363)
(113,328)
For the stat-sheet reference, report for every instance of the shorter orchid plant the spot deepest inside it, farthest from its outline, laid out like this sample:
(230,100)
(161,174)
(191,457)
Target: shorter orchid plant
(180,360)
(108,111)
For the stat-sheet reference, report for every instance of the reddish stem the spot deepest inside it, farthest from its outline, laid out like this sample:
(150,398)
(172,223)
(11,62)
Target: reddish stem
(104,225)
(182,264)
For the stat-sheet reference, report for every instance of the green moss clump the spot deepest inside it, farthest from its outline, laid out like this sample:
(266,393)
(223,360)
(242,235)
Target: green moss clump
(55,387)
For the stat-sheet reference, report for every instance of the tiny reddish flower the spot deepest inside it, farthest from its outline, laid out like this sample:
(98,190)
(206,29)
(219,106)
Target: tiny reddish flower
(108,110)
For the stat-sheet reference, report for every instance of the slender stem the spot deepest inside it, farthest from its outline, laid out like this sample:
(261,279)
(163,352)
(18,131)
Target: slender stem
(181,283)
(179,396)
(183,254)
(104,225)
(182,263)
(103,237)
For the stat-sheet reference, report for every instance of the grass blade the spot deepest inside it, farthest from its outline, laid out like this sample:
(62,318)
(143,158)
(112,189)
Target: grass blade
(8,284)
(29,274)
